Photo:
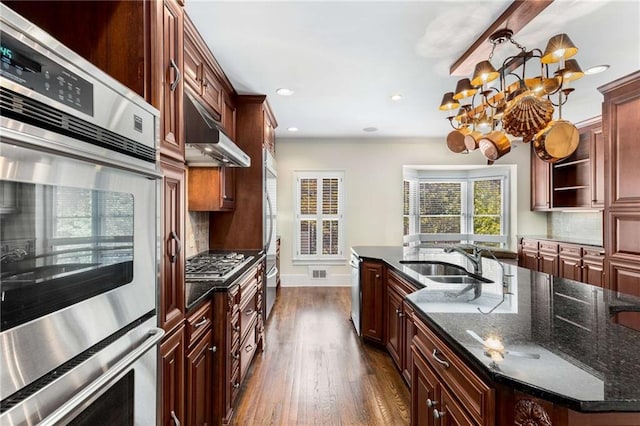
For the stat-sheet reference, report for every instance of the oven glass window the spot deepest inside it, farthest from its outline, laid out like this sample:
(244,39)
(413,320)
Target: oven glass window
(114,407)
(61,245)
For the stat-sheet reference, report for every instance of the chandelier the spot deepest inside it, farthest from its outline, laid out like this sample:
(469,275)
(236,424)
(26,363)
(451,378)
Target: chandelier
(522,107)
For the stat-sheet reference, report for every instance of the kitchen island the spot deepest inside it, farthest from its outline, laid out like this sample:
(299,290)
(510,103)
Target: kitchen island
(550,350)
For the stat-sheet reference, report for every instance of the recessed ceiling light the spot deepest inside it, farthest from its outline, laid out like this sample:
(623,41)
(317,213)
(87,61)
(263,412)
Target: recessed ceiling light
(292,129)
(283,91)
(396,97)
(597,69)
(370,129)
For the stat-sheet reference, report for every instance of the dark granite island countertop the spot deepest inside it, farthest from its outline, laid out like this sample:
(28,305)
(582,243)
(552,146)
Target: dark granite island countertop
(196,291)
(587,362)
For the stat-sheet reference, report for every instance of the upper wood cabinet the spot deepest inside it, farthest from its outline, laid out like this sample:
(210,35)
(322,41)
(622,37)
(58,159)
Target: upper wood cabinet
(212,189)
(205,78)
(575,182)
(270,125)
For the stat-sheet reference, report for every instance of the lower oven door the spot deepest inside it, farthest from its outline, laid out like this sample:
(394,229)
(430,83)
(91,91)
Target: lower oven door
(114,383)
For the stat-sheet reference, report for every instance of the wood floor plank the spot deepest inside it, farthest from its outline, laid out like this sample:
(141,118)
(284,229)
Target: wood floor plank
(316,371)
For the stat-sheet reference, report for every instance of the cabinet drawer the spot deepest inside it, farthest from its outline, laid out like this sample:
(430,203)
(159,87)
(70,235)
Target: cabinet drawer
(234,384)
(596,253)
(548,247)
(472,392)
(248,286)
(399,284)
(574,251)
(247,349)
(530,245)
(248,313)
(199,322)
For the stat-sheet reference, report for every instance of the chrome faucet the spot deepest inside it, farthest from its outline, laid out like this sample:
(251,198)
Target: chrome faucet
(475,256)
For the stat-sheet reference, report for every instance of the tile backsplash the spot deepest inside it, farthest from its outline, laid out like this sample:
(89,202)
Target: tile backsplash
(197,230)
(583,225)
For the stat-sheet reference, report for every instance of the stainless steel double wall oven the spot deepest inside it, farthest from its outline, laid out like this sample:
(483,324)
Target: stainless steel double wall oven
(79,198)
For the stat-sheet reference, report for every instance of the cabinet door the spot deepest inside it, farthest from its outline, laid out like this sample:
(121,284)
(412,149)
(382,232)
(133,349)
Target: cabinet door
(212,189)
(394,326)
(228,115)
(172,304)
(425,393)
(211,90)
(593,270)
(570,268)
(172,380)
(529,259)
(192,66)
(200,382)
(372,301)
(409,330)
(540,183)
(172,135)
(228,188)
(548,263)
(625,278)
(451,413)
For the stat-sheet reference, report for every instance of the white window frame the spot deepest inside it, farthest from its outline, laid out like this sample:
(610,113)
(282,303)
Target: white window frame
(303,259)
(466,177)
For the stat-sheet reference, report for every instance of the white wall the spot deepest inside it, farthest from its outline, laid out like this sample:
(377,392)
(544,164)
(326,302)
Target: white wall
(373,190)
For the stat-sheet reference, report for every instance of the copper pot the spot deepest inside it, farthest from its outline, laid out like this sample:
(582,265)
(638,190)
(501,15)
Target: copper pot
(455,140)
(472,140)
(494,145)
(556,141)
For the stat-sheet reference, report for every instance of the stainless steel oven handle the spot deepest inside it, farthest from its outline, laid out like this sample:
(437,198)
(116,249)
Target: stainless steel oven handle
(155,335)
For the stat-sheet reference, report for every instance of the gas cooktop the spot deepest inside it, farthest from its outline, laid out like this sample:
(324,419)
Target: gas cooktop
(215,266)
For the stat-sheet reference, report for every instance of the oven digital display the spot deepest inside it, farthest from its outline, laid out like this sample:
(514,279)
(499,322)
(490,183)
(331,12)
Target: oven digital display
(23,65)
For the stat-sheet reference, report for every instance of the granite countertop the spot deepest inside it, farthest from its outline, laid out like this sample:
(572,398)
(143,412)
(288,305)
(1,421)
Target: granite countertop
(197,291)
(569,240)
(586,361)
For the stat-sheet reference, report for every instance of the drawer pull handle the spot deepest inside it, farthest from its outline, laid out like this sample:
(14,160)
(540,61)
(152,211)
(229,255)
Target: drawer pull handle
(248,348)
(200,323)
(235,356)
(440,361)
(438,414)
(175,418)
(236,385)
(431,403)
(248,311)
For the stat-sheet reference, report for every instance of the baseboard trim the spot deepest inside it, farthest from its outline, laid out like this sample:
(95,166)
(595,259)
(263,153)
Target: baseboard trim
(303,280)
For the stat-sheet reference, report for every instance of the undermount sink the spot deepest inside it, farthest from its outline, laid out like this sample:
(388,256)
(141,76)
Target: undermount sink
(434,268)
(460,279)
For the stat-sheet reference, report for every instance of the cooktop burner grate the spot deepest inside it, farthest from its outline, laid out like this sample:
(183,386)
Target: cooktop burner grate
(215,266)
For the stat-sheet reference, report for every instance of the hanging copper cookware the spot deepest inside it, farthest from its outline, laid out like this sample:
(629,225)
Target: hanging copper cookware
(526,115)
(455,140)
(494,145)
(556,141)
(472,140)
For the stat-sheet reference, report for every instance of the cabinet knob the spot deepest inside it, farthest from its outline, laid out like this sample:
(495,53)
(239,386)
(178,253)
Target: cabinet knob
(235,356)
(431,403)
(236,328)
(213,349)
(236,385)
(377,275)
(438,414)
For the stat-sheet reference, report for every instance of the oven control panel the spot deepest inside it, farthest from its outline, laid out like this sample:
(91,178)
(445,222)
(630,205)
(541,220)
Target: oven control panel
(24,66)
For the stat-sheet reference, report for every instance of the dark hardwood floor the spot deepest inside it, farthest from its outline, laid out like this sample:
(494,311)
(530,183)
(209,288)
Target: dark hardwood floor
(316,371)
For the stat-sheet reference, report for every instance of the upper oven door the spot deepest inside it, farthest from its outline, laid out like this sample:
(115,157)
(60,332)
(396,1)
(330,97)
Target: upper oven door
(78,245)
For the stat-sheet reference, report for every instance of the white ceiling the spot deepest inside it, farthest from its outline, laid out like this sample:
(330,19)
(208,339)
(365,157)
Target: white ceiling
(344,59)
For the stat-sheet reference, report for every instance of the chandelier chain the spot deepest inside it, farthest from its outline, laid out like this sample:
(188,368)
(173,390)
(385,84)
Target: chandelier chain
(518,45)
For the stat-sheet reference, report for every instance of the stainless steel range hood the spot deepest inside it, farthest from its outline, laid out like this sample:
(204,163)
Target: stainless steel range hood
(206,144)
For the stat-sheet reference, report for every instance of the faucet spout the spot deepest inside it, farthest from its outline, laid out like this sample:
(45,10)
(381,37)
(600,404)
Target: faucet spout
(474,257)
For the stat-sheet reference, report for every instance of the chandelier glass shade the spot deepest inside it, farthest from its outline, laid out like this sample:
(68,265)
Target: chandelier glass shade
(519,106)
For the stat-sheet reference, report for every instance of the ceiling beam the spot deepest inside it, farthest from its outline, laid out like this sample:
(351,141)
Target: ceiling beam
(515,17)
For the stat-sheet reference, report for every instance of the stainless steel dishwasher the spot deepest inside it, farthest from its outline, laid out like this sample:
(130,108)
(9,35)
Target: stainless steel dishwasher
(356,294)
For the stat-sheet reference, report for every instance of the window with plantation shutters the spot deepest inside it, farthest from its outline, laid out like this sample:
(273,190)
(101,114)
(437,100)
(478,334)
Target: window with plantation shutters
(464,207)
(319,216)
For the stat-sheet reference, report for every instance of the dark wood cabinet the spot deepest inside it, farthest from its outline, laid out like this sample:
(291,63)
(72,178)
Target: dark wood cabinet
(212,189)
(425,392)
(172,303)
(394,316)
(172,370)
(548,259)
(621,127)
(570,265)
(576,181)
(199,382)
(372,288)
(540,183)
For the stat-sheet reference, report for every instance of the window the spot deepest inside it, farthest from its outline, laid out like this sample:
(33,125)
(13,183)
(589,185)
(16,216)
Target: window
(460,206)
(319,216)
